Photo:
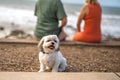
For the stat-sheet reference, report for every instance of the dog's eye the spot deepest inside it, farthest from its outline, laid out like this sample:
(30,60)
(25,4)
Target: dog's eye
(55,41)
(48,40)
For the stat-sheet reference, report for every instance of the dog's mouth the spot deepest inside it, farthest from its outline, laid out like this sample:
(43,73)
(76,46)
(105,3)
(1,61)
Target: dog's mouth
(51,47)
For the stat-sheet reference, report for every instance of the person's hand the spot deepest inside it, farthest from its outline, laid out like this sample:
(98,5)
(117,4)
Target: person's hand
(78,28)
(62,34)
(60,28)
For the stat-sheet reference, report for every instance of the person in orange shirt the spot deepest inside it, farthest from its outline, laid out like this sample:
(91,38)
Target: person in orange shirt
(91,14)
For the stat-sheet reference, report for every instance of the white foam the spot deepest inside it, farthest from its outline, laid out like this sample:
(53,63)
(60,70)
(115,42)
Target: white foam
(17,16)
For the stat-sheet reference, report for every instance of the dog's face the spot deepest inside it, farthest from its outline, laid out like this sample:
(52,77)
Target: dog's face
(49,44)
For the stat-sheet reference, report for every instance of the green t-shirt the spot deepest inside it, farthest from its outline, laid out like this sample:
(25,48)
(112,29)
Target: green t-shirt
(48,13)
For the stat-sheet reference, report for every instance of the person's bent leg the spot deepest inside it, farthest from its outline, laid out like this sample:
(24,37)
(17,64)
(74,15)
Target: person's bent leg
(77,36)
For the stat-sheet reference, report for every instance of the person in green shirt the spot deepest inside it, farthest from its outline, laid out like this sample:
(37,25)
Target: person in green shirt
(49,13)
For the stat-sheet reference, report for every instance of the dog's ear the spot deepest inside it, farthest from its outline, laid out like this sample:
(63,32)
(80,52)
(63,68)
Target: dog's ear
(58,49)
(41,43)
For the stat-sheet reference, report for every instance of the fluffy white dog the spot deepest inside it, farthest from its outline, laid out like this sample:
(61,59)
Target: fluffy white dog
(50,56)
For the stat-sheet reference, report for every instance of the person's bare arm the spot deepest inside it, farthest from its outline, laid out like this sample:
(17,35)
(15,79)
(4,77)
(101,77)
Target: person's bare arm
(63,22)
(83,12)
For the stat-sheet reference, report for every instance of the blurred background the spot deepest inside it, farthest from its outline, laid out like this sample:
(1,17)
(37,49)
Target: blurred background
(17,18)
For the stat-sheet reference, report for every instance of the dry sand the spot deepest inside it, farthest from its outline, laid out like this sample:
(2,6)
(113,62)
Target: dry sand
(80,58)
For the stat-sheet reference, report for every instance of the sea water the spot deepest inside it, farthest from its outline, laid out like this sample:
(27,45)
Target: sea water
(19,15)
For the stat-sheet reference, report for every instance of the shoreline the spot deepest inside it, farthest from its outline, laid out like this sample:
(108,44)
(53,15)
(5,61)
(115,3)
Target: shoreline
(14,31)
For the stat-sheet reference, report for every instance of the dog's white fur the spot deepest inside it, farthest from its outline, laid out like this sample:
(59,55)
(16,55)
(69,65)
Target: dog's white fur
(50,56)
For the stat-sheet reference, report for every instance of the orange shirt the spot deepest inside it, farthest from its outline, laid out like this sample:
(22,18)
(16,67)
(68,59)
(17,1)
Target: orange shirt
(92,26)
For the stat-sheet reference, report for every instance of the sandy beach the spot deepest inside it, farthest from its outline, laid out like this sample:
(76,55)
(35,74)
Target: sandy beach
(23,57)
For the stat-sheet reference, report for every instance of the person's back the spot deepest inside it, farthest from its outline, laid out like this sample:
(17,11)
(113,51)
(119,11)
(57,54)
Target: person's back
(91,14)
(46,11)
(92,23)
(49,12)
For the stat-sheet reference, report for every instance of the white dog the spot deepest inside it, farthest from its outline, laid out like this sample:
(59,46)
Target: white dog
(50,57)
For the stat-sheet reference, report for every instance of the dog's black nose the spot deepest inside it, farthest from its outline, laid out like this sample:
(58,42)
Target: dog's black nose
(52,43)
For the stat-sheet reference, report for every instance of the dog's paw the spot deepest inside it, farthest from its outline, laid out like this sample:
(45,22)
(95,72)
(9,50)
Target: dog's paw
(61,70)
(41,71)
(54,70)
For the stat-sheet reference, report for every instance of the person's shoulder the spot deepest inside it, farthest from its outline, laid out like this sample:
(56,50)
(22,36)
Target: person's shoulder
(58,0)
(85,7)
(99,4)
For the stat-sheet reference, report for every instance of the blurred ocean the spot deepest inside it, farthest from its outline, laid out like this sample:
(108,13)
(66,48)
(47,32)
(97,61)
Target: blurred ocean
(19,15)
